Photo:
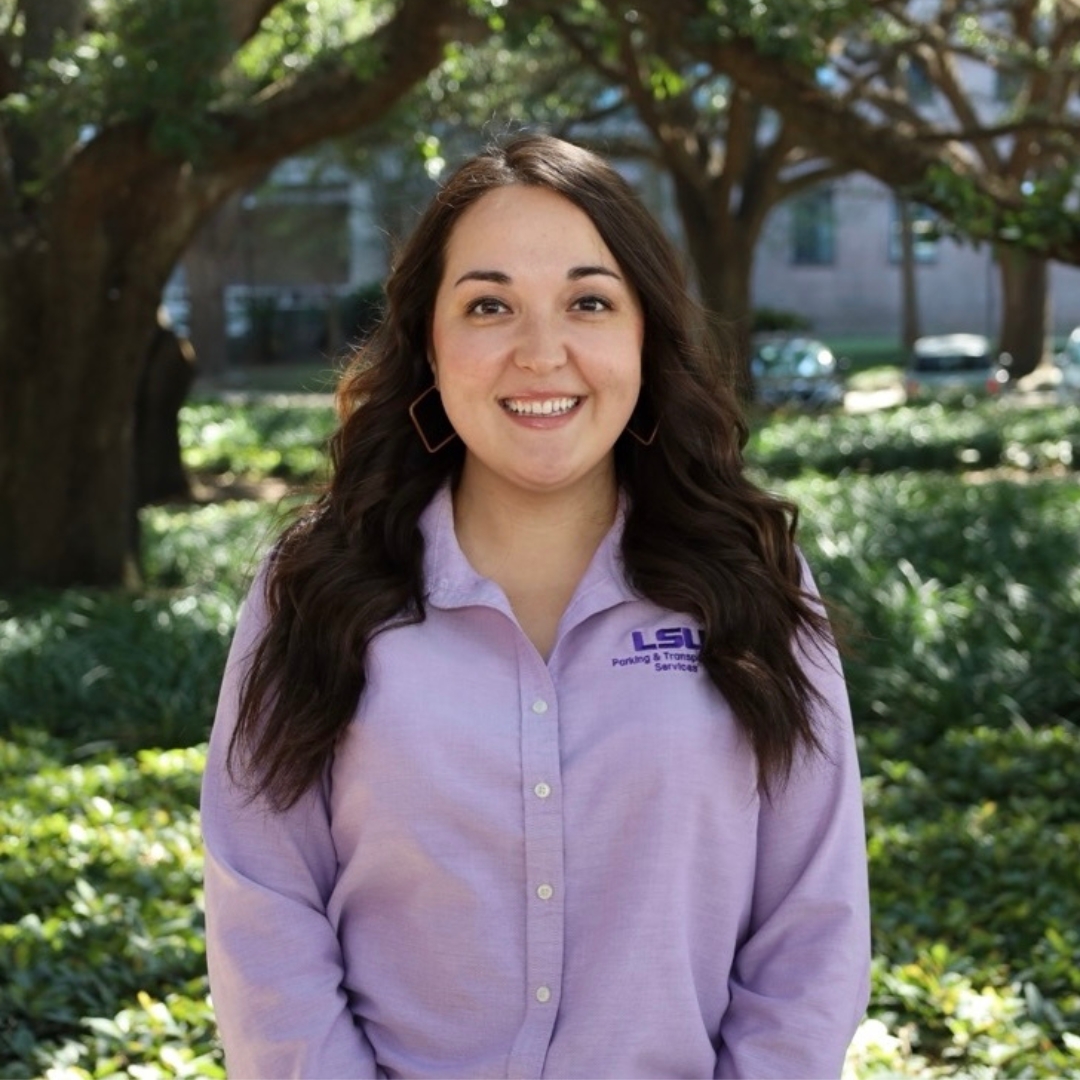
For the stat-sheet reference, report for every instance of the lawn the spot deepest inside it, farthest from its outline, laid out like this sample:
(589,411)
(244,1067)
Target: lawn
(949,543)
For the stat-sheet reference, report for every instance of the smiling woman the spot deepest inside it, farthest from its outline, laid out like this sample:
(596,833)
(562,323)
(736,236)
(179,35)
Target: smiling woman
(538,361)
(533,755)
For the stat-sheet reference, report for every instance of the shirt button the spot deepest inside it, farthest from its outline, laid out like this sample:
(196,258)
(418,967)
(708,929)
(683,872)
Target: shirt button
(542,790)
(543,994)
(539,706)
(545,892)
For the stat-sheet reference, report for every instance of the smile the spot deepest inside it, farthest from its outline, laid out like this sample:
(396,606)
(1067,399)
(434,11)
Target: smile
(540,407)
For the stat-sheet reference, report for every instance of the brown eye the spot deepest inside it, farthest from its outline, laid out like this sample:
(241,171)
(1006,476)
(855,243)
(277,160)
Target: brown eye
(592,303)
(486,305)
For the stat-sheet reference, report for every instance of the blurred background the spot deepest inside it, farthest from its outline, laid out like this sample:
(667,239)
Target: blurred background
(879,206)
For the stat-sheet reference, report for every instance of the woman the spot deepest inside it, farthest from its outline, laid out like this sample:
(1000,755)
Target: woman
(533,756)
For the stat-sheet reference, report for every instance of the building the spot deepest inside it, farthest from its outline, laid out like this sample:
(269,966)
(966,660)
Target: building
(833,255)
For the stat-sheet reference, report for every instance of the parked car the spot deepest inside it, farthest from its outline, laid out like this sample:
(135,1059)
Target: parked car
(1068,363)
(797,372)
(955,367)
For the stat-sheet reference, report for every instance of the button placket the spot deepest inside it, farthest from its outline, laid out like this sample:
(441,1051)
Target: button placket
(543,822)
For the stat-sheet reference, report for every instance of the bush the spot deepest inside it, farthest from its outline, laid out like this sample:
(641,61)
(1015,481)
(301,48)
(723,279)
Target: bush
(772,320)
(114,670)
(101,939)
(256,440)
(922,438)
(963,606)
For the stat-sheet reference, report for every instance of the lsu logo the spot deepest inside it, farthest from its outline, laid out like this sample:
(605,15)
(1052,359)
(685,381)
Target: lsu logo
(670,637)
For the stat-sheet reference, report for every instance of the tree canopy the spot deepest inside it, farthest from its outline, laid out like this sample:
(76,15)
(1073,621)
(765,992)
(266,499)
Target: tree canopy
(847,74)
(123,125)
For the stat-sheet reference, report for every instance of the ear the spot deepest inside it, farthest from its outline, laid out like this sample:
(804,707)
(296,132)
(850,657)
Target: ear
(434,368)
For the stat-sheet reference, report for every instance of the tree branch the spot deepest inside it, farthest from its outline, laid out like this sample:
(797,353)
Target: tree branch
(796,183)
(856,142)
(44,20)
(332,99)
(571,33)
(243,17)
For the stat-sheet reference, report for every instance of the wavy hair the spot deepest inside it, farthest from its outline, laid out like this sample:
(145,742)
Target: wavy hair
(700,538)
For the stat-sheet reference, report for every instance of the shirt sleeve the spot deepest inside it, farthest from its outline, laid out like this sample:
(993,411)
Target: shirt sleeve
(275,963)
(801,979)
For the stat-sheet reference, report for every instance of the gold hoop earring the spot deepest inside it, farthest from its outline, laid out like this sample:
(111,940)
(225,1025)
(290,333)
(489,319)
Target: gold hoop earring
(439,417)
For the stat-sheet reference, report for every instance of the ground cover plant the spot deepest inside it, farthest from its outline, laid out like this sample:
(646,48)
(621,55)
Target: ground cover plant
(958,583)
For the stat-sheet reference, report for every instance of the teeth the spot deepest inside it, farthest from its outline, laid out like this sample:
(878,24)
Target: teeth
(548,407)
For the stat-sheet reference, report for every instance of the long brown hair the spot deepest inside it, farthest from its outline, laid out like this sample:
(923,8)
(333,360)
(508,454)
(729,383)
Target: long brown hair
(700,538)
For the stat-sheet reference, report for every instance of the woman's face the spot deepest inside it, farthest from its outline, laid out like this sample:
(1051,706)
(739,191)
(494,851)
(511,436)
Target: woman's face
(536,342)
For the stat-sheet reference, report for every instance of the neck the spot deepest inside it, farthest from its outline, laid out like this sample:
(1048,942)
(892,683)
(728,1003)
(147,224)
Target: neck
(506,530)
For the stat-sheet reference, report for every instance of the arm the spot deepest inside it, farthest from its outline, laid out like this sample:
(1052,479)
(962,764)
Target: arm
(275,963)
(800,982)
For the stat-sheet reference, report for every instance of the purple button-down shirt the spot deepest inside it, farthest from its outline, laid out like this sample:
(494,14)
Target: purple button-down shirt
(521,868)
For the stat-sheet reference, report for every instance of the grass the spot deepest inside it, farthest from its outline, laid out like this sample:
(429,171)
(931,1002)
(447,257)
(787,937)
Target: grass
(950,539)
(316,376)
(864,352)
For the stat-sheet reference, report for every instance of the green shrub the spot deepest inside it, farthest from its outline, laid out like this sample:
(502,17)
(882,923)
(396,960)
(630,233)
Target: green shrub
(101,940)
(919,438)
(962,601)
(963,607)
(285,440)
(128,671)
(768,320)
(114,670)
(215,547)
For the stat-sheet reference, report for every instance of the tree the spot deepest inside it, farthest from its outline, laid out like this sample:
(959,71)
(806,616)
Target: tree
(624,87)
(123,125)
(1007,173)
(1006,64)
(731,160)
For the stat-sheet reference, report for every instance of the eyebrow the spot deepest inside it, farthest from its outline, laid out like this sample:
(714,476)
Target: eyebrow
(576,273)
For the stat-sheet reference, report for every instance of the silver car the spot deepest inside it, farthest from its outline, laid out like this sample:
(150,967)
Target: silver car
(797,372)
(1068,364)
(954,367)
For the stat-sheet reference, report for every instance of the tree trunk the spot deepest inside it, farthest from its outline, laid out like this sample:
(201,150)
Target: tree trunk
(721,250)
(909,282)
(79,311)
(166,379)
(67,397)
(1025,296)
(205,269)
(85,253)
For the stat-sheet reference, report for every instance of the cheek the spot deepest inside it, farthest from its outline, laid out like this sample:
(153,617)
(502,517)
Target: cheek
(622,376)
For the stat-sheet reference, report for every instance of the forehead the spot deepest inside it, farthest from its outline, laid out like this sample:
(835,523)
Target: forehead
(530,225)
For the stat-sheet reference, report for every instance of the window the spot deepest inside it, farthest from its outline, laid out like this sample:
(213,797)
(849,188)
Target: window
(813,229)
(920,86)
(925,233)
(1009,82)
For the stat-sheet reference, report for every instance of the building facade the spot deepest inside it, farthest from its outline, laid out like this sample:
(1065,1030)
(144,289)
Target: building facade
(834,257)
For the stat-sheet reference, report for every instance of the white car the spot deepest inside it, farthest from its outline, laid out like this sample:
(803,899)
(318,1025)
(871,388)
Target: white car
(1068,363)
(954,367)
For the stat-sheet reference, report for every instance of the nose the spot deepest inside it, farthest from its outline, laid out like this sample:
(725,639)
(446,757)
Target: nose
(541,345)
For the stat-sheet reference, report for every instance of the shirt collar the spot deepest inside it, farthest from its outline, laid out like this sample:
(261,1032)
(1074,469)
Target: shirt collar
(451,581)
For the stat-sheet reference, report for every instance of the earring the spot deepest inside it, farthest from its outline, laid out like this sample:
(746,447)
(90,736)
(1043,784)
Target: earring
(437,417)
(644,440)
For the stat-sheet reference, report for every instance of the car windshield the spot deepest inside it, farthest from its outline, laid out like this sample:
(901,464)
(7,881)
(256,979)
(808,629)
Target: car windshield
(794,358)
(951,361)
